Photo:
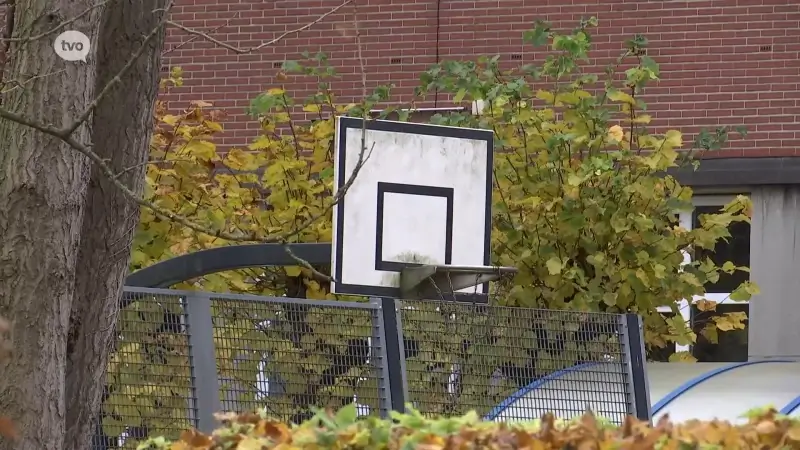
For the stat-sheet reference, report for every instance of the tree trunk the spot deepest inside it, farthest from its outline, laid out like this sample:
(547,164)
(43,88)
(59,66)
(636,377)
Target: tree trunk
(42,193)
(121,132)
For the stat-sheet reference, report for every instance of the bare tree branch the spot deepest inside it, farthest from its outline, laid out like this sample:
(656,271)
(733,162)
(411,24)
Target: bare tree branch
(66,135)
(240,50)
(21,84)
(363,156)
(198,36)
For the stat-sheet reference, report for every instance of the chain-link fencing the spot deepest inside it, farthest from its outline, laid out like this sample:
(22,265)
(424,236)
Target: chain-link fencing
(182,356)
(514,363)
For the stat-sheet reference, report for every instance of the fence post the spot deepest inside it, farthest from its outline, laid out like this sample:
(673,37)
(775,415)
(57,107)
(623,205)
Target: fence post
(202,360)
(633,333)
(395,353)
(381,358)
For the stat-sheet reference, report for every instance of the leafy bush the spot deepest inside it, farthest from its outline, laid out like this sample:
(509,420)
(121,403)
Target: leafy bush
(582,206)
(764,429)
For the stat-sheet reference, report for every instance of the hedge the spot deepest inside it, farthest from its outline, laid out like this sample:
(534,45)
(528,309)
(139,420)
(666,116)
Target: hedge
(764,429)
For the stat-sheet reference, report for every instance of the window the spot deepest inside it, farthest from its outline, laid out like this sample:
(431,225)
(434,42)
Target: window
(732,345)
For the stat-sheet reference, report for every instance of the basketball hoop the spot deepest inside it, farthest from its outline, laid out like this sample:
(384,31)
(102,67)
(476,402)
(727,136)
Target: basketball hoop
(416,220)
(432,282)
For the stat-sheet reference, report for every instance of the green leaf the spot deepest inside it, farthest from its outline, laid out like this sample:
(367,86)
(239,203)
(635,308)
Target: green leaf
(326,173)
(554,265)
(460,95)
(346,415)
(745,292)
(537,36)
(728,267)
(291,67)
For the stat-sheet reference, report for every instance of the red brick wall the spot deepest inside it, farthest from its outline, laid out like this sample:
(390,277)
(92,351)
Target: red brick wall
(724,62)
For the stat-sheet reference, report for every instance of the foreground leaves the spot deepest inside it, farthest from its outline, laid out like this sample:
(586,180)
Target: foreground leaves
(764,430)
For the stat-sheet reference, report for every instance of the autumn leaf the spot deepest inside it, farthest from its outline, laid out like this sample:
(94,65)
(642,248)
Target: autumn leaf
(705,305)
(202,150)
(7,428)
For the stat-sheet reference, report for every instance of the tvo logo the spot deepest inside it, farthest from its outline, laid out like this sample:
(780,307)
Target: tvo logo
(72,46)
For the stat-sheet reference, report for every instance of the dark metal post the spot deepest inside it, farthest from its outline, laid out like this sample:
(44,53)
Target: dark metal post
(203,362)
(637,367)
(380,358)
(395,353)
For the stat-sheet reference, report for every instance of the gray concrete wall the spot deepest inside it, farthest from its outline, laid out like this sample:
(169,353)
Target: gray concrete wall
(774,328)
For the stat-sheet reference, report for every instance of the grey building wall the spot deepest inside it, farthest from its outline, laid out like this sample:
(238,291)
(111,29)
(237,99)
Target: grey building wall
(774,328)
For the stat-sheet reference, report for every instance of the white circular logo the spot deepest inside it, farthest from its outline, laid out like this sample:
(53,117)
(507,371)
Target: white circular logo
(72,46)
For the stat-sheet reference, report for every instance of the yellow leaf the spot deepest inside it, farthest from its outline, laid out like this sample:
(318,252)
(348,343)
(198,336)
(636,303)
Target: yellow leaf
(619,96)
(260,143)
(202,150)
(170,119)
(431,442)
(705,305)
(682,357)
(731,321)
(292,271)
(574,179)
(312,108)
(201,104)
(252,443)
(213,126)
(554,265)
(344,108)
(276,91)
(239,160)
(673,138)
(723,324)
(217,219)
(546,96)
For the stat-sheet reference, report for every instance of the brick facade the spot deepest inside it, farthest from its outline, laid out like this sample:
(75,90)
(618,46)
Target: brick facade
(724,62)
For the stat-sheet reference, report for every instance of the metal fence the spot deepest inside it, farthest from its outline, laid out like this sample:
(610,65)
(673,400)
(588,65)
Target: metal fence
(181,356)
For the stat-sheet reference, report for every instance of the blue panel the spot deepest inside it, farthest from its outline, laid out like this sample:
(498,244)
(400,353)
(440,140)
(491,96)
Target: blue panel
(682,389)
(507,403)
(791,406)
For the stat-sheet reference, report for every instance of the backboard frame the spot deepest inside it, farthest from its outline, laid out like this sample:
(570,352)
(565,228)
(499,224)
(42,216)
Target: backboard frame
(345,124)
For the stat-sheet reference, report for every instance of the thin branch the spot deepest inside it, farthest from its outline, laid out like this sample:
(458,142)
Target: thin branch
(198,36)
(106,170)
(20,85)
(66,135)
(274,41)
(147,163)
(363,156)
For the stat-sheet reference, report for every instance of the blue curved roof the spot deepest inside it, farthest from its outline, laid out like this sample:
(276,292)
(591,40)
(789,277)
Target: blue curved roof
(661,404)
(792,406)
(687,386)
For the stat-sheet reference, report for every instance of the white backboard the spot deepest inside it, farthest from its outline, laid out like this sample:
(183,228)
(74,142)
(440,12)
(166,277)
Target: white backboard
(423,196)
